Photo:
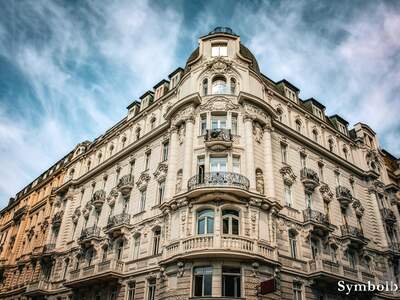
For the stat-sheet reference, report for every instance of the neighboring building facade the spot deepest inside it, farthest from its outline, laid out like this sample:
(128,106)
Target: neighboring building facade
(217,180)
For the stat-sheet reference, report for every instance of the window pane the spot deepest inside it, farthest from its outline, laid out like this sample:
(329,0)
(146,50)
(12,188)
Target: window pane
(223,51)
(225,226)
(198,285)
(210,225)
(207,285)
(235,226)
(200,229)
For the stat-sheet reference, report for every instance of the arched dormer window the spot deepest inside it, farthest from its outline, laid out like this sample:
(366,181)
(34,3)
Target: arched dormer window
(205,221)
(233,86)
(230,221)
(205,87)
(219,85)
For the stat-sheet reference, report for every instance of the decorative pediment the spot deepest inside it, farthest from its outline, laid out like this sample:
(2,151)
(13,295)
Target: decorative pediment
(219,65)
(143,180)
(161,172)
(218,103)
(288,176)
(326,193)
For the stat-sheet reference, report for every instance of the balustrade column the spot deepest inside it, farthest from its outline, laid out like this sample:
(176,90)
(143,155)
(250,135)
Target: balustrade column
(188,153)
(171,175)
(249,151)
(268,163)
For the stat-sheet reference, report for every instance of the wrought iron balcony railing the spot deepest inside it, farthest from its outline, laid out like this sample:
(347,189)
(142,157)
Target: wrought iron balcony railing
(219,179)
(90,232)
(119,219)
(315,216)
(348,230)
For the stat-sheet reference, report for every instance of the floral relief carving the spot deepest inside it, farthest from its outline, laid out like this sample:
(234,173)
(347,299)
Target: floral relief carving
(257,132)
(257,112)
(112,196)
(288,176)
(326,193)
(161,172)
(358,208)
(219,65)
(143,180)
(218,104)
(183,115)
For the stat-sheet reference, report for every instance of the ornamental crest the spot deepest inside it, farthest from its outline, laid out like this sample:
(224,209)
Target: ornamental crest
(219,65)
(161,172)
(326,193)
(288,176)
(143,181)
(218,104)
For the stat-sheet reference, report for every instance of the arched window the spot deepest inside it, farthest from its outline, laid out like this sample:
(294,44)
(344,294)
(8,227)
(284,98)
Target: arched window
(156,241)
(230,221)
(205,87)
(293,243)
(233,86)
(333,253)
(99,157)
(136,246)
(111,149)
(315,135)
(119,249)
(330,145)
(205,221)
(123,141)
(298,125)
(219,85)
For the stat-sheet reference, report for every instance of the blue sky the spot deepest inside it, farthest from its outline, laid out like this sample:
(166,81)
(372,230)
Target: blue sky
(68,69)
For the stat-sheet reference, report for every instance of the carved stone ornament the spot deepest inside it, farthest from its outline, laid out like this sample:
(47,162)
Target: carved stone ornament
(87,209)
(183,115)
(288,176)
(143,180)
(259,181)
(257,113)
(181,133)
(112,197)
(326,193)
(218,103)
(257,132)
(161,172)
(76,215)
(219,65)
(358,208)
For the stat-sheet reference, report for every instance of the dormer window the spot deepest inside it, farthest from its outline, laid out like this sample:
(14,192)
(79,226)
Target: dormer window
(290,94)
(318,112)
(342,128)
(220,49)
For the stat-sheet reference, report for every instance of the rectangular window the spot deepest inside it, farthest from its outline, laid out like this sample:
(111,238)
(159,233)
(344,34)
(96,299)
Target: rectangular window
(231,282)
(293,244)
(142,201)
(202,281)
(236,164)
(284,153)
(218,164)
(151,291)
(352,259)
(161,190)
(218,121)
(203,124)
(288,195)
(147,162)
(131,290)
(136,247)
(165,151)
(219,50)
(234,124)
(297,291)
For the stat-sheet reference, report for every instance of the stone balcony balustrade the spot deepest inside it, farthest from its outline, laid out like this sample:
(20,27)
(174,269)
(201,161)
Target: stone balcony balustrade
(98,199)
(310,179)
(218,139)
(388,216)
(219,179)
(344,196)
(126,184)
(99,271)
(229,245)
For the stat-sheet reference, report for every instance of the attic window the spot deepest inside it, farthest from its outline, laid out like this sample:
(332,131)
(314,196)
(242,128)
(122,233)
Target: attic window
(317,112)
(342,128)
(219,50)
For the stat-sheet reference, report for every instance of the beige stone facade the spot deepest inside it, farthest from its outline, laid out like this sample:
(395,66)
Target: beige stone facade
(217,180)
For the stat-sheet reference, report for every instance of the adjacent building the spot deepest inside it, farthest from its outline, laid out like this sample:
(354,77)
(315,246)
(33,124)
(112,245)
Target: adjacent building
(217,180)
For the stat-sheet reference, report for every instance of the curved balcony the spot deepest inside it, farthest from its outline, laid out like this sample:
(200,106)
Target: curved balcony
(353,235)
(388,215)
(318,221)
(344,196)
(98,199)
(310,179)
(229,246)
(219,179)
(218,139)
(126,184)
(89,234)
(117,224)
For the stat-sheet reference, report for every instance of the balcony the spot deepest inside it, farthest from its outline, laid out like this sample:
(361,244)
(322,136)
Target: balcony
(310,179)
(118,224)
(388,216)
(218,139)
(57,219)
(344,196)
(353,235)
(229,246)
(219,179)
(98,199)
(126,184)
(318,221)
(19,213)
(38,288)
(329,272)
(104,271)
(89,234)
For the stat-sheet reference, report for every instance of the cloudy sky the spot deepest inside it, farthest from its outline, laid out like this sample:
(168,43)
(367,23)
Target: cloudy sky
(69,69)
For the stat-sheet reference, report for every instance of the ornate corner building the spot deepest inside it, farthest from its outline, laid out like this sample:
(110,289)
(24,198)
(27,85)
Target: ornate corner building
(218,179)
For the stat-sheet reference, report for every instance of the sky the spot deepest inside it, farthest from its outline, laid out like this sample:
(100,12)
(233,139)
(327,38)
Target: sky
(68,69)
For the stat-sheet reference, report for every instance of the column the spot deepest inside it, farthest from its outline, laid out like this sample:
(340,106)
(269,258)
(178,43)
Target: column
(268,163)
(188,153)
(249,151)
(171,175)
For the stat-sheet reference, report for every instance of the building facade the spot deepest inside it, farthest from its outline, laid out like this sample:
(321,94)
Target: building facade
(217,180)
